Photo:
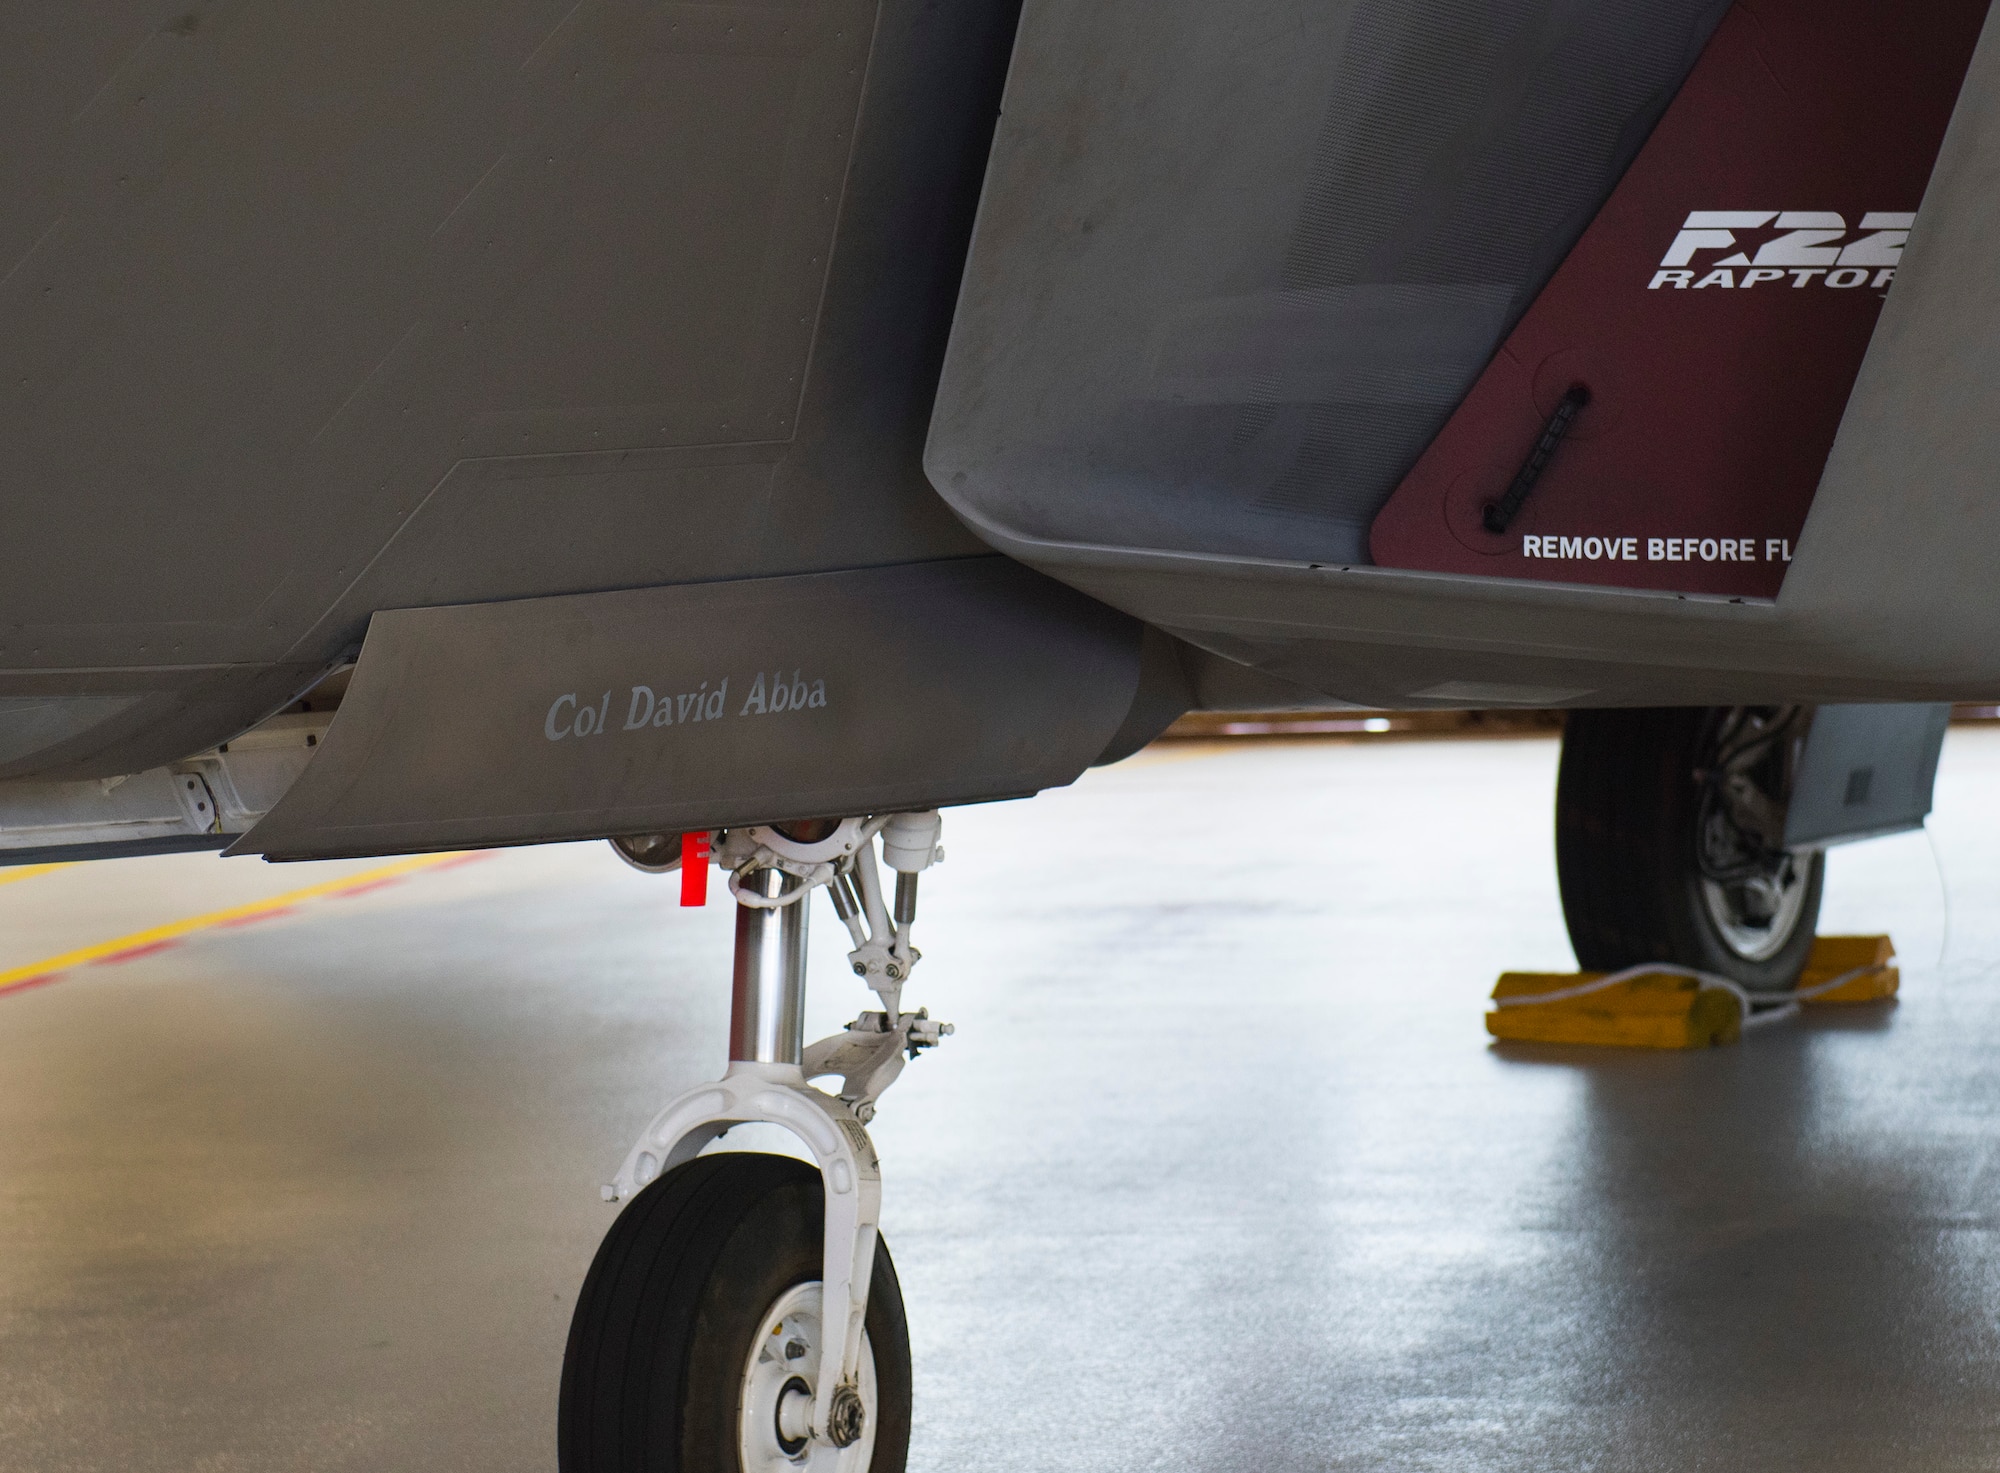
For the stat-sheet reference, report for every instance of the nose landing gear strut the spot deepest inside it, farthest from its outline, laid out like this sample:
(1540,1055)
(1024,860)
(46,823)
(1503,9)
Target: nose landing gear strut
(743,1313)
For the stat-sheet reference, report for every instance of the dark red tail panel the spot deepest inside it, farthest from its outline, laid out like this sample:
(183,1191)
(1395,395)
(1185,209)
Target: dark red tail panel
(1715,314)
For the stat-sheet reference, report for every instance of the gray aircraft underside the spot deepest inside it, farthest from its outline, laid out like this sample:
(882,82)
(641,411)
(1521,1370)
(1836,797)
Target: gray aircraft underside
(449,424)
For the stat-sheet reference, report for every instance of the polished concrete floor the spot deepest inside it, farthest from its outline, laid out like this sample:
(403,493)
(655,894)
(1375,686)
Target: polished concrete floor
(1219,1172)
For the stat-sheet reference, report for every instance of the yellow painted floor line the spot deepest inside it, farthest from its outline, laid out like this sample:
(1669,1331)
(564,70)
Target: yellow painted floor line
(159,938)
(15,872)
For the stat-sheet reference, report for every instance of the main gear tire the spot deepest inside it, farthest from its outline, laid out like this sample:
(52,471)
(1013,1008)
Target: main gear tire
(1669,826)
(697,1341)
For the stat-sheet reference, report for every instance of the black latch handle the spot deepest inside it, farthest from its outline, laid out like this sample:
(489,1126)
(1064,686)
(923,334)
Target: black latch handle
(1499,514)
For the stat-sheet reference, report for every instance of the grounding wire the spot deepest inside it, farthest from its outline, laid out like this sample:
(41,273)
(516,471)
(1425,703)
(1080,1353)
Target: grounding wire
(1758,1007)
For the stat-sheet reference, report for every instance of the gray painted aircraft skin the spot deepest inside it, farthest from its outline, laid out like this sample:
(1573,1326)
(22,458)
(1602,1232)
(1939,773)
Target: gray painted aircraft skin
(576,363)
(454,425)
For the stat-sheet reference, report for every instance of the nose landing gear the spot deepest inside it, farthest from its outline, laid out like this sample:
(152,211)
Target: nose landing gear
(743,1314)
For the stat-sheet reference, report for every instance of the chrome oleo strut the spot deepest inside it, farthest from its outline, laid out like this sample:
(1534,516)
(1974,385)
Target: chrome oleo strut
(772,876)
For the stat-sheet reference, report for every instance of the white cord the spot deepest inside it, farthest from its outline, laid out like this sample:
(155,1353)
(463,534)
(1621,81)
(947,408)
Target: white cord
(1774,1005)
(1944,894)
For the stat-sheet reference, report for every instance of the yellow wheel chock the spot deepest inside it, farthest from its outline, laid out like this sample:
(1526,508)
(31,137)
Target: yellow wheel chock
(1660,1006)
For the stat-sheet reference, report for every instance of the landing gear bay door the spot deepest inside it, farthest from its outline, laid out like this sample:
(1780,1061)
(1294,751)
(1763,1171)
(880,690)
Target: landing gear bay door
(1296,328)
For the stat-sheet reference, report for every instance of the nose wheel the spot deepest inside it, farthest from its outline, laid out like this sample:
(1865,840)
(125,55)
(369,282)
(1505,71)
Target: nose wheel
(698,1340)
(742,1315)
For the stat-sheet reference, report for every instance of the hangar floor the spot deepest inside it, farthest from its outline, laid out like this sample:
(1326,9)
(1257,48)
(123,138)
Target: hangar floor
(1219,1172)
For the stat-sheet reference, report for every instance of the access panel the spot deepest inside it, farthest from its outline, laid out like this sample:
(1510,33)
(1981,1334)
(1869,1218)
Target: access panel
(1236,264)
(1525,290)
(1662,414)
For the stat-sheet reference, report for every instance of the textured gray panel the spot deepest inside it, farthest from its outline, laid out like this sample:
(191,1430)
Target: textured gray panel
(936,683)
(30,725)
(283,284)
(1362,345)
(311,255)
(1237,264)
(1866,770)
(513,527)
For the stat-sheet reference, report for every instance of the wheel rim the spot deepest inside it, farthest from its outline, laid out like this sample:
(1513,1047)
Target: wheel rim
(774,1407)
(1752,888)
(1757,915)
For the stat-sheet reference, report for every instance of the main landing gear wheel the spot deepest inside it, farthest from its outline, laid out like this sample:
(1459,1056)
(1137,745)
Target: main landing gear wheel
(697,1341)
(1669,842)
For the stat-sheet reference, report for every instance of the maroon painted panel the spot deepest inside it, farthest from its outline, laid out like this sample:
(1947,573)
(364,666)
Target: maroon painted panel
(1716,311)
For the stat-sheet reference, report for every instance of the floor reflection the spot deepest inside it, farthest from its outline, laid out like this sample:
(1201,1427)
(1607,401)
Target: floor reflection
(1218,1173)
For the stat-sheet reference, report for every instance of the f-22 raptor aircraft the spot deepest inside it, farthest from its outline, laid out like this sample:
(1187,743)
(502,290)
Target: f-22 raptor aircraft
(741,430)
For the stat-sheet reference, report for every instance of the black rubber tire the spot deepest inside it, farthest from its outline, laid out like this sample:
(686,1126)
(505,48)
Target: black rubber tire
(679,1287)
(1627,806)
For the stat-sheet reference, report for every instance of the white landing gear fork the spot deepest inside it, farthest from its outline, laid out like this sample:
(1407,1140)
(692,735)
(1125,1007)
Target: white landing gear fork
(821,1416)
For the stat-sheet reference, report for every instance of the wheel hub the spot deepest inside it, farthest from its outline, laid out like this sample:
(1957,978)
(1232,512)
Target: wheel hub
(847,1419)
(1753,889)
(780,1379)
(794,1419)
(1756,916)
